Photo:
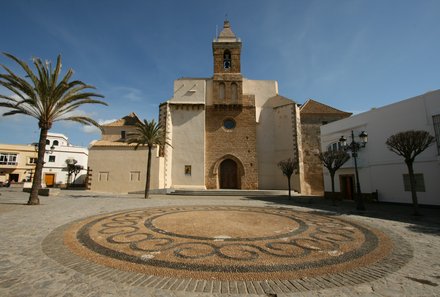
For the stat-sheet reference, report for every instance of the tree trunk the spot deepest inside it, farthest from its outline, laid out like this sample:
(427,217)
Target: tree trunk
(69,175)
(36,184)
(332,177)
(147,184)
(288,183)
(412,181)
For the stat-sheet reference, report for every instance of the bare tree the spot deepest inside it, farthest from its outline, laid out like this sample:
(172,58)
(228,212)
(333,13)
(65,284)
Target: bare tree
(409,145)
(288,167)
(333,160)
(72,168)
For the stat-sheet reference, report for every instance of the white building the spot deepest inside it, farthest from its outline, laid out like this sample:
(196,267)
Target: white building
(380,169)
(58,150)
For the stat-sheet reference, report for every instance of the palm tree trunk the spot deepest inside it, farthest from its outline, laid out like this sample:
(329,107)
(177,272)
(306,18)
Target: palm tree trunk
(147,184)
(36,184)
(288,183)
(412,181)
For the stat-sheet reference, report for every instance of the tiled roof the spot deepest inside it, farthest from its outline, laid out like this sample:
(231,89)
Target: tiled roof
(315,107)
(129,120)
(111,143)
(278,100)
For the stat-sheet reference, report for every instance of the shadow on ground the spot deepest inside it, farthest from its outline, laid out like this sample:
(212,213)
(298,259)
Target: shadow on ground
(427,223)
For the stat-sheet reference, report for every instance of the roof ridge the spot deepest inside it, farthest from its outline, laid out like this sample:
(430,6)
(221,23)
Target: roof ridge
(128,120)
(318,105)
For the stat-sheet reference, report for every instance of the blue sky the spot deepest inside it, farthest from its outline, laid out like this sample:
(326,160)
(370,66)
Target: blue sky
(350,54)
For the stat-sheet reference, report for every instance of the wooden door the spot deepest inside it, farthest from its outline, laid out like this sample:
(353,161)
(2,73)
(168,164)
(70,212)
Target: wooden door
(49,179)
(347,186)
(228,175)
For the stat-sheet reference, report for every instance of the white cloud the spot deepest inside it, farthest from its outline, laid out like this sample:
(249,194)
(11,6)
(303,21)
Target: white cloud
(127,93)
(93,129)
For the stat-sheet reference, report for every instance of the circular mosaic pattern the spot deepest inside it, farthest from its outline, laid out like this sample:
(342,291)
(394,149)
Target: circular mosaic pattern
(239,243)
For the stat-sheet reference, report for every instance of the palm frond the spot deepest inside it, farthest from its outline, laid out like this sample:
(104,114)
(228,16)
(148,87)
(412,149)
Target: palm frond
(15,83)
(16,111)
(55,74)
(82,120)
(147,133)
(8,98)
(45,96)
(24,66)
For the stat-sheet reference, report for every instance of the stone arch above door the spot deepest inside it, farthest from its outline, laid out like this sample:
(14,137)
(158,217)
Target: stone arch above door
(229,169)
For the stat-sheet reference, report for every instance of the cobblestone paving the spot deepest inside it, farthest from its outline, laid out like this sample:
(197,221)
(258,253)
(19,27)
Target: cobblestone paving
(26,270)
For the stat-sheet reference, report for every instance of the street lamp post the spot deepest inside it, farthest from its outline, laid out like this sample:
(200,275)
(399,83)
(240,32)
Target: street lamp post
(355,147)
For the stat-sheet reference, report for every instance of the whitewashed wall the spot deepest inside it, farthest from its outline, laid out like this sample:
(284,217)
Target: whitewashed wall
(187,134)
(379,168)
(63,151)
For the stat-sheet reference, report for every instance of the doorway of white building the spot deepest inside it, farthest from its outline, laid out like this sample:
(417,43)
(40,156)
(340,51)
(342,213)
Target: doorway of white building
(49,179)
(346,183)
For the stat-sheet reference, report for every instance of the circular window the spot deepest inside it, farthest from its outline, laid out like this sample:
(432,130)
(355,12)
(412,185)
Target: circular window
(229,124)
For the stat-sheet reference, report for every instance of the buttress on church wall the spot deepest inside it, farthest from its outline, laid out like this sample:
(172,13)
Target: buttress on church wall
(186,134)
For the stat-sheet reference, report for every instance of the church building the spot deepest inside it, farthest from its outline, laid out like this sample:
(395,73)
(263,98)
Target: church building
(226,132)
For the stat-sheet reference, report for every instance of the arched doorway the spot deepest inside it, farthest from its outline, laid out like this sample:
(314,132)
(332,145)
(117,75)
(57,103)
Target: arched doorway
(229,178)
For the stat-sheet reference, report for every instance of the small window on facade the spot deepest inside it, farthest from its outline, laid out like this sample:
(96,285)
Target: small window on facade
(32,160)
(103,176)
(55,143)
(336,146)
(123,134)
(135,176)
(420,182)
(47,142)
(229,124)
(221,91)
(51,158)
(187,169)
(8,159)
(436,123)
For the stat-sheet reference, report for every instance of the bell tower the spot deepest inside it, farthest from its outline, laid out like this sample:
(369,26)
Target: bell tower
(230,124)
(227,80)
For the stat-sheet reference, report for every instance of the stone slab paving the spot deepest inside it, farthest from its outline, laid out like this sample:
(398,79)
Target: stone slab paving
(27,270)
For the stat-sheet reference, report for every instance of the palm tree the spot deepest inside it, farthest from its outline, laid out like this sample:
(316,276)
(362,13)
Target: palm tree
(288,167)
(47,98)
(409,145)
(147,134)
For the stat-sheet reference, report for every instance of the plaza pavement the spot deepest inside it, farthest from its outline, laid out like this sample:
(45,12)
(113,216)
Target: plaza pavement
(26,270)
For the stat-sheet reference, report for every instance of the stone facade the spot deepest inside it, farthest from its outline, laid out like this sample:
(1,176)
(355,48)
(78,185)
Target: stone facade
(237,144)
(313,115)
(234,142)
